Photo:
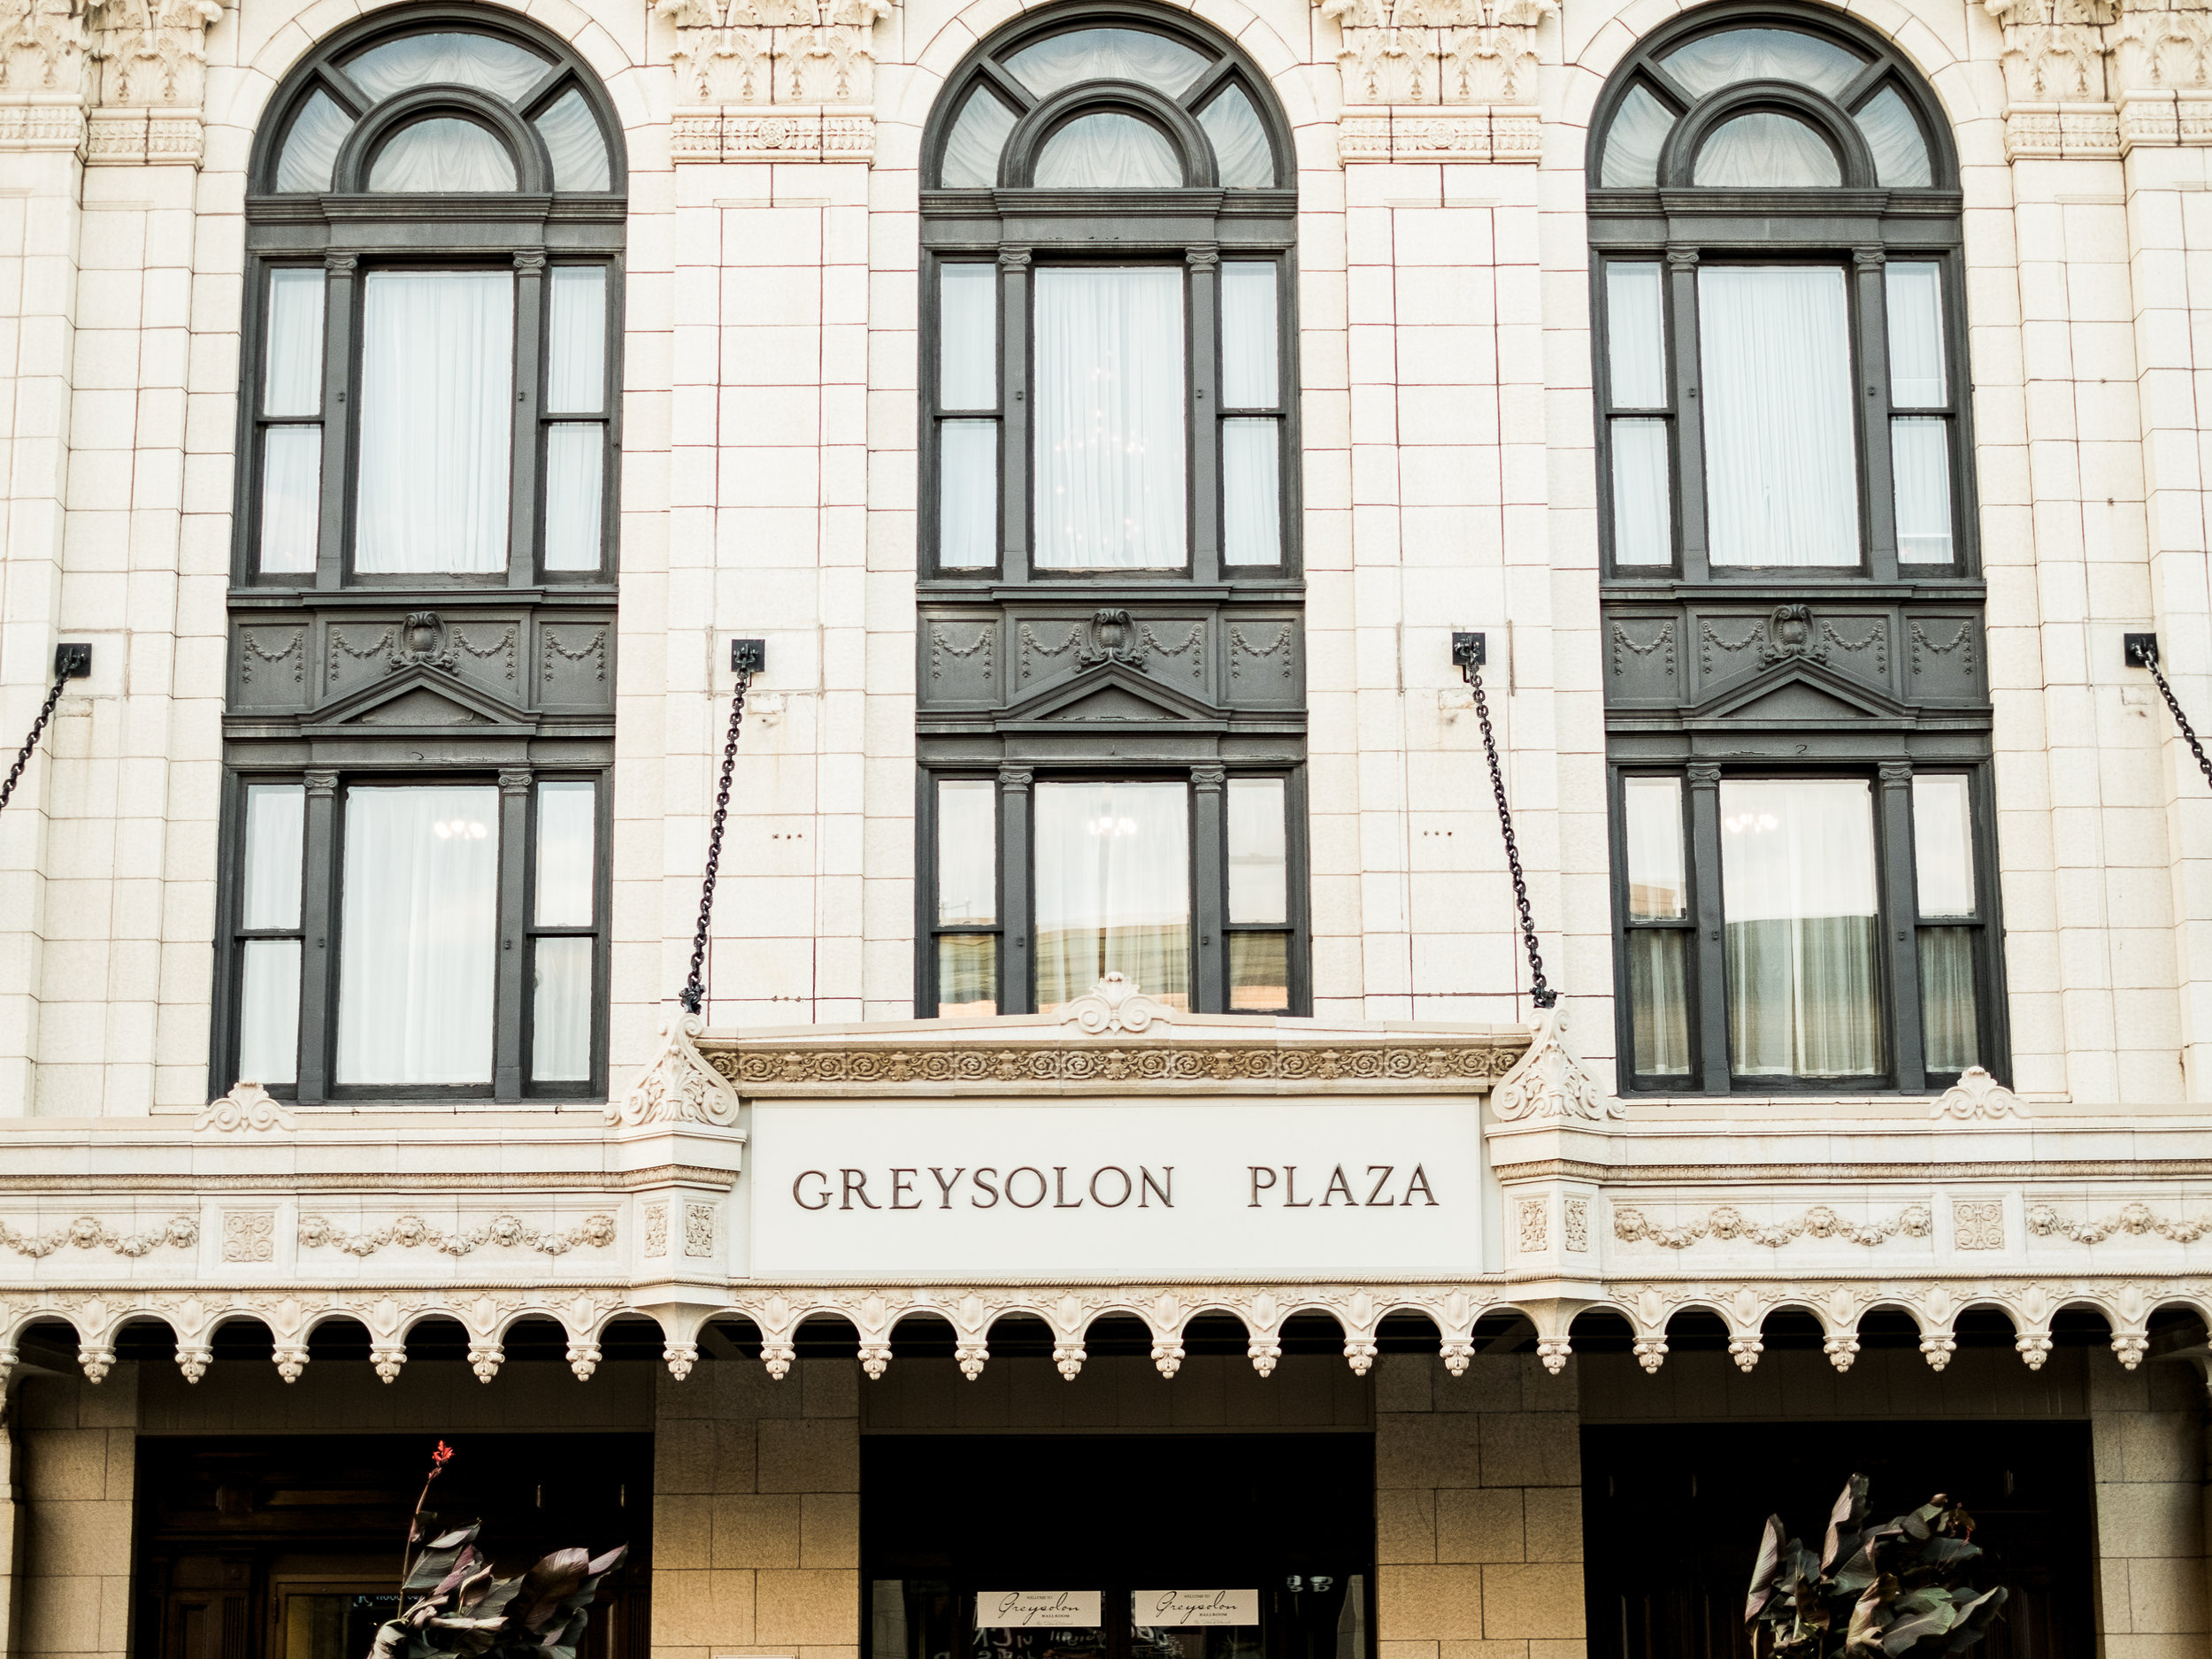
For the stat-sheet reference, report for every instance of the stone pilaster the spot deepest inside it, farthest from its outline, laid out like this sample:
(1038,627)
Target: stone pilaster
(78,1444)
(1478,1509)
(2056,102)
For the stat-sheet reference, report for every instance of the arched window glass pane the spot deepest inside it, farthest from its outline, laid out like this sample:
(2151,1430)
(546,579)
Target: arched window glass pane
(971,150)
(1766,149)
(446,59)
(1721,60)
(573,140)
(1151,60)
(1632,148)
(1240,147)
(1901,155)
(1109,151)
(312,144)
(443,154)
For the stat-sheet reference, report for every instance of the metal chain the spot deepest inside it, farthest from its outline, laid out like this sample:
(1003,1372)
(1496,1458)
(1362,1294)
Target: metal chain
(2188,732)
(694,992)
(1542,995)
(23,759)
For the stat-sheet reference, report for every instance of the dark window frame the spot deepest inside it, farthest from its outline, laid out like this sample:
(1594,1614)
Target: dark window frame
(1859,224)
(1022,227)
(1898,927)
(1207,802)
(322,909)
(348,232)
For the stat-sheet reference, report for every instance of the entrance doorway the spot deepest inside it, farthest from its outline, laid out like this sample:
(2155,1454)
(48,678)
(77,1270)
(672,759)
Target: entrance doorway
(1123,1546)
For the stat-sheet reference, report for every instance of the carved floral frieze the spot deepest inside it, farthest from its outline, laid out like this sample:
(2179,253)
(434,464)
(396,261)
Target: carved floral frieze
(773,80)
(117,81)
(1438,79)
(2096,78)
(412,1232)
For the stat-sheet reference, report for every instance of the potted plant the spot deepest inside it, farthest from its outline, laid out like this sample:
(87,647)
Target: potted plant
(1898,1590)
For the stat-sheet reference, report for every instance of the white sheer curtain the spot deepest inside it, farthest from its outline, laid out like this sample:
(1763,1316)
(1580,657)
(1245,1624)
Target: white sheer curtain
(1797,890)
(1912,290)
(443,154)
(1259,851)
(446,57)
(1113,888)
(1108,150)
(573,141)
(1640,126)
(1901,154)
(1781,468)
(1763,150)
(269,898)
(1110,458)
(1251,492)
(1250,377)
(419,940)
(1658,958)
(291,498)
(437,395)
(967,335)
(1107,54)
(1246,159)
(576,340)
(971,149)
(311,148)
(967,494)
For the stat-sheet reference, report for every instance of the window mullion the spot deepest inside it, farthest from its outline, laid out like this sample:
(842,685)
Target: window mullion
(1017,983)
(512,982)
(319,897)
(1689,435)
(1014,457)
(340,270)
(1711,957)
(1902,905)
(1205,264)
(1209,866)
(1873,331)
(523,512)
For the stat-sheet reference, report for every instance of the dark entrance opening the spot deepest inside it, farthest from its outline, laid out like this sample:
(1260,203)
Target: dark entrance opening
(1672,1513)
(288,1547)
(1064,1546)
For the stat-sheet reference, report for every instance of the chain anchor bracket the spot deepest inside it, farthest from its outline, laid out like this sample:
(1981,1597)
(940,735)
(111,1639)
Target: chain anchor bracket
(71,662)
(1471,652)
(2141,652)
(748,658)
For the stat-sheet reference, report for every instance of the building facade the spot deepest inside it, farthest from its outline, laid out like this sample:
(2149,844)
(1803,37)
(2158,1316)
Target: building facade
(1126,1191)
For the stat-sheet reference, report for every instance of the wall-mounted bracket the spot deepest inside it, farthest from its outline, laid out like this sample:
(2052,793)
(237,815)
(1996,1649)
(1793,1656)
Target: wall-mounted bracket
(748,656)
(2141,649)
(73,662)
(1470,650)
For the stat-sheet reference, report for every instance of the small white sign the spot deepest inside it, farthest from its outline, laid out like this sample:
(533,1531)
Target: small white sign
(1157,1608)
(1025,1609)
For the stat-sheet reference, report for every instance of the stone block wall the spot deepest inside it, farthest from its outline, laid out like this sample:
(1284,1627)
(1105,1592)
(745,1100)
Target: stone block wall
(75,1447)
(2147,1427)
(1478,1511)
(756,1513)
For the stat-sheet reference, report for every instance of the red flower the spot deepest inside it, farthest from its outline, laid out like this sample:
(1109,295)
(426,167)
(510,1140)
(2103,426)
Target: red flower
(439,1459)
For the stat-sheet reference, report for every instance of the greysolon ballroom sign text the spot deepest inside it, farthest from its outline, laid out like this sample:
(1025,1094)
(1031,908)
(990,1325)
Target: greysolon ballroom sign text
(1182,1188)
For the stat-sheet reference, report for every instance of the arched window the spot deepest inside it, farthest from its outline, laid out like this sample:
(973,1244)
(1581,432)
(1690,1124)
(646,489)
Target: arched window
(1112,202)
(1112,721)
(435,229)
(1797,702)
(1775,220)
(419,725)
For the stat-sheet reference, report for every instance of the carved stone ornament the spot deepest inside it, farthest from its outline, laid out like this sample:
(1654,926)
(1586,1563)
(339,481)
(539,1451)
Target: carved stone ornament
(117,81)
(1115,1004)
(1439,80)
(2098,78)
(248,1107)
(1549,1085)
(774,79)
(1978,1097)
(680,1086)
